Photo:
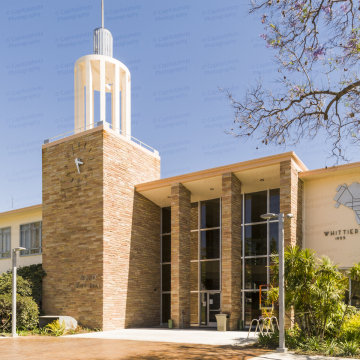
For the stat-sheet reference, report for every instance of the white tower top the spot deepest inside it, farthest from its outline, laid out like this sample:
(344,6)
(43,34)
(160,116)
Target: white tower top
(95,76)
(103,40)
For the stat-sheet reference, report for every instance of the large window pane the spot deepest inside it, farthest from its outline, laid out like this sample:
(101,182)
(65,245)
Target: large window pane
(210,213)
(275,201)
(30,238)
(210,275)
(166,220)
(274,238)
(255,205)
(166,248)
(256,240)
(255,272)
(252,310)
(210,244)
(166,308)
(166,277)
(5,243)
(203,309)
(194,216)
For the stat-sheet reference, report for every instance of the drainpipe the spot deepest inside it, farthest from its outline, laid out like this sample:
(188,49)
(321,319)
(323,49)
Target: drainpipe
(182,319)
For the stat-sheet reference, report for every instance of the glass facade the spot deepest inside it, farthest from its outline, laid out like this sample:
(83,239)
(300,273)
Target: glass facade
(205,258)
(165,243)
(259,242)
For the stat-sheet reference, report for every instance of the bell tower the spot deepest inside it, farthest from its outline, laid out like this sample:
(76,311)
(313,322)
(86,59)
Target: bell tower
(100,239)
(96,75)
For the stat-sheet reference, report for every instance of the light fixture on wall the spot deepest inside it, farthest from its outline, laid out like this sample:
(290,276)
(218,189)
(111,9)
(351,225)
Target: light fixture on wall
(211,189)
(262,180)
(169,197)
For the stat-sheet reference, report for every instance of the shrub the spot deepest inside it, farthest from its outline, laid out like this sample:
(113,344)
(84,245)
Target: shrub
(23,287)
(34,275)
(312,344)
(349,348)
(351,328)
(270,339)
(27,312)
(56,328)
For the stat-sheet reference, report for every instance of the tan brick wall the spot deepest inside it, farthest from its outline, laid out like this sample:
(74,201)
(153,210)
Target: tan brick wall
(291,203)
(144,290)
(180,254)
(72,230)
(231,248)
(89,229)
(124,166)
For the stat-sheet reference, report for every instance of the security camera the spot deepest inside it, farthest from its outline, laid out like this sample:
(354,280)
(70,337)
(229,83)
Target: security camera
(290,216)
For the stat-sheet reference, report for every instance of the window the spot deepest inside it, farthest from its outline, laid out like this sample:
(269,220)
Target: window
(205,261)
(260,242)
(5,244)
(30,238)
(165,264)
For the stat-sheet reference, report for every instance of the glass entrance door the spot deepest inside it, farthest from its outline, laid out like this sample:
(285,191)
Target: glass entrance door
(214,308)
(209,307)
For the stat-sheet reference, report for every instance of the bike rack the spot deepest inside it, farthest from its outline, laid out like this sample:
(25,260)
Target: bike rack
(268,322)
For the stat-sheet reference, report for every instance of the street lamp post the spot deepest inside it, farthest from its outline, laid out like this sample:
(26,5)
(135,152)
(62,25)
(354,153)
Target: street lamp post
(280,216)
(14,271)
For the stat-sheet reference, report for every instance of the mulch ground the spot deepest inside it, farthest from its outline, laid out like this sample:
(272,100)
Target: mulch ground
(39,347)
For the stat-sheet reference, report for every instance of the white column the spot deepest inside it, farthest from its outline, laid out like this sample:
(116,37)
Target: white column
(102,92)
(81,97)
(115,100)
(126,105)
(76,100)
(89,97)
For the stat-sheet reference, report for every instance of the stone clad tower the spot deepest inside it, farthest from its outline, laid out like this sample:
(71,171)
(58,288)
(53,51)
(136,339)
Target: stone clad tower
(100,237)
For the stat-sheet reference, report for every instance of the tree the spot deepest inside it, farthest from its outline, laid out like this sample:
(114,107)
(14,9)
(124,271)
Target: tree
(317,45)
(314,288)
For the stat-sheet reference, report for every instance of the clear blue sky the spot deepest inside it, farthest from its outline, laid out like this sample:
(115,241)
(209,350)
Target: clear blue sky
(178,53)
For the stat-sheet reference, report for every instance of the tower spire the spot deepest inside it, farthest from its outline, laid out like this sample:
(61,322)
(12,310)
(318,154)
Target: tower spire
(103,40)
(102,13)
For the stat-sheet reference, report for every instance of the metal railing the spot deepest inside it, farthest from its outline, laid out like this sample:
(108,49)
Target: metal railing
(105,124)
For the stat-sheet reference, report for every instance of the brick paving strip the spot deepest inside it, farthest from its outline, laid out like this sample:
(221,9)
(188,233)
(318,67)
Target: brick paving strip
(44,347)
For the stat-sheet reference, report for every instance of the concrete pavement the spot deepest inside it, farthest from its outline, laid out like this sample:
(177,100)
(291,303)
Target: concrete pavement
(183,336)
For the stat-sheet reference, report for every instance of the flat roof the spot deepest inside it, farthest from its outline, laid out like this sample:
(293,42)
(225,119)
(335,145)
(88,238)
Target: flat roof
(329,171)
(237,167)
(28,208)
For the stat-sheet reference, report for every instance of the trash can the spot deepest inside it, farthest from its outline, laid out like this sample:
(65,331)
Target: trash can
(222,322)
(170,322)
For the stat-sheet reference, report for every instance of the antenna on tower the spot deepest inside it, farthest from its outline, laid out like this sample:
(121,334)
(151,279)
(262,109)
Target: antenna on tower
(102,13)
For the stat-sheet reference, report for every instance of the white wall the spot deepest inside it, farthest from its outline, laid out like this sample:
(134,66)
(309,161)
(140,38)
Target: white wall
(320,216)
(14,219)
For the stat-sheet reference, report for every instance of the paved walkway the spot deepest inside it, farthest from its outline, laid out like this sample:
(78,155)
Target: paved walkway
(46,347)
(185,336)
(290,356)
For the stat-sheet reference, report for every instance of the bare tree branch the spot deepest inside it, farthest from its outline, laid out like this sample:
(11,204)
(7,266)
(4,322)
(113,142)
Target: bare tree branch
(315,41)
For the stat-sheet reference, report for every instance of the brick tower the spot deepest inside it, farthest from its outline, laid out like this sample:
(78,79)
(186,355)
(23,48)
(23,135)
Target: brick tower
(100,237)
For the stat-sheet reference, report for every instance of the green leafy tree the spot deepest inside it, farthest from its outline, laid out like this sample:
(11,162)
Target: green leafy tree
(314,288)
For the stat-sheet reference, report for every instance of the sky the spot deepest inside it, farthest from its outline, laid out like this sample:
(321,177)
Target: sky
(179,53)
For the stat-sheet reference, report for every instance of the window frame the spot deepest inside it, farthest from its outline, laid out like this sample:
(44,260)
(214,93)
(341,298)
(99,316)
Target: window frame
(243,257)
(40,239)
(2,252)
